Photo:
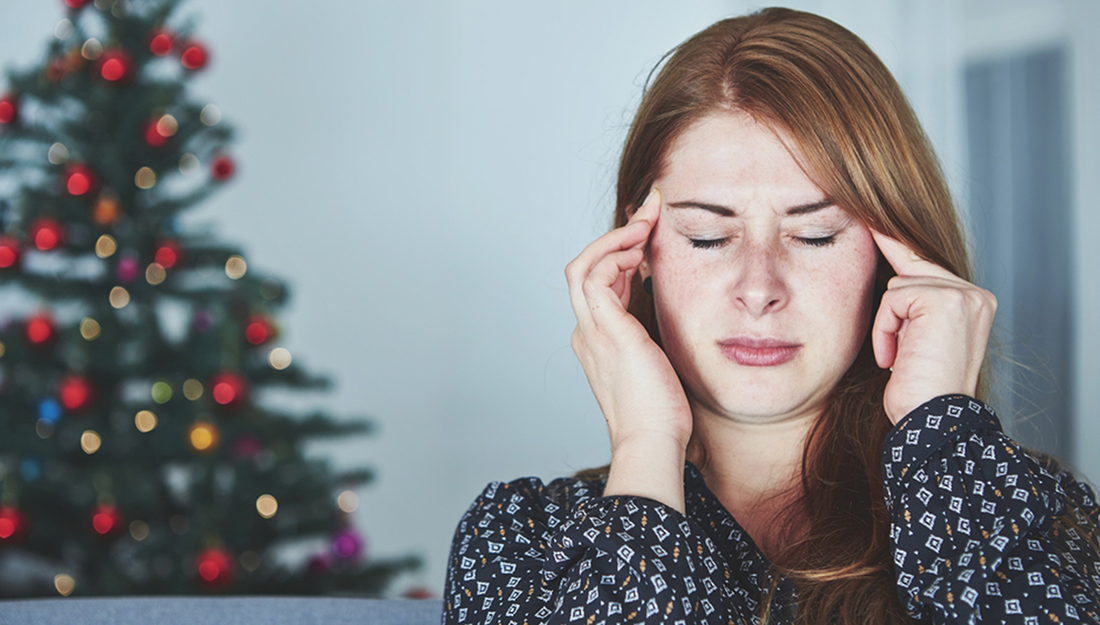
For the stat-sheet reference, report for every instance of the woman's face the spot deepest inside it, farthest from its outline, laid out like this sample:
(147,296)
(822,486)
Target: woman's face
(763,288)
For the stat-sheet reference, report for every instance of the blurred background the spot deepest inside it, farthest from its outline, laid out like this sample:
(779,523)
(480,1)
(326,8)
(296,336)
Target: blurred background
(420,173)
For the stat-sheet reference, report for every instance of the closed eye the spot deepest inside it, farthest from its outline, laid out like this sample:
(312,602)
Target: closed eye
(817,241)
(704,244)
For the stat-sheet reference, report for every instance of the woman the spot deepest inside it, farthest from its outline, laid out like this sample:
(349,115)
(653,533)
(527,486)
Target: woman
(781,333)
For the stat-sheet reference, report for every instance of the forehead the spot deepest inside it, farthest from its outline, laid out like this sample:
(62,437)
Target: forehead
(730,156)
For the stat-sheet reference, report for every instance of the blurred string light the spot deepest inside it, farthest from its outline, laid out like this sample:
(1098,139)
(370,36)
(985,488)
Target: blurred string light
(58,154)
(91,49)
(155,274)
(139,530)
(43,428)
(167,125)
(270,288)
(161,392)
(192,389)
(203,436)
(145,421)
(89,329)
(119,297)
(210,115)
(235,267)
(279,358)
(267,506)
(105,246)
(49,410)
(90,441)
(348,501)
(145,178)
(64,29)
(189,163)
(106,209)
(64,584)
(250,560)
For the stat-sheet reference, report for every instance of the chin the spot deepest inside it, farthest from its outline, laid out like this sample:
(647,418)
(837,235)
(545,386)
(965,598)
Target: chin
(767,394)
(759,405)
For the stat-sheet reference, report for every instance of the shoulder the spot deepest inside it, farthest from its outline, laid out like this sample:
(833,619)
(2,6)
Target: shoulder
(532,500)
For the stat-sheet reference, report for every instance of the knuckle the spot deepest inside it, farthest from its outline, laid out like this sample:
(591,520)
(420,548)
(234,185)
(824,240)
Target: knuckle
(571,271)
(589,288)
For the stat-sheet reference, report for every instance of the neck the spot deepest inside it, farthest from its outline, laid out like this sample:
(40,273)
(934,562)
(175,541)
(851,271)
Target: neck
(753,468)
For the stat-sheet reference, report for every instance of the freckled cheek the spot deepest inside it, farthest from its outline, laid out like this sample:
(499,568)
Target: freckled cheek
(847,287)
(678,274)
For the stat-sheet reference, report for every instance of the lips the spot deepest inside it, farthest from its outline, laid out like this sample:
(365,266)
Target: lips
(758,352)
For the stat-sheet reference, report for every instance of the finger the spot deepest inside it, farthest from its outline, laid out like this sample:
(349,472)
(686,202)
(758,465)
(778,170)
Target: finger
(604,304)
(603,276)
(907,282)
(905,261)
(631,235)
(650,207)
(892,313)
(622,286)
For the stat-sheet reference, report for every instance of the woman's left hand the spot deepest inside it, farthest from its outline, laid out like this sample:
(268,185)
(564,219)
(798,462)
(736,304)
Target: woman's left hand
(931,330)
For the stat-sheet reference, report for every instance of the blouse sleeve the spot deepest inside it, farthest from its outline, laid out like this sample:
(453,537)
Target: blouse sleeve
(529,553)
(981,530)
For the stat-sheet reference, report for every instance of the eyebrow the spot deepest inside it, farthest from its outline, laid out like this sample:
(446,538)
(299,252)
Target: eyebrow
(724,211)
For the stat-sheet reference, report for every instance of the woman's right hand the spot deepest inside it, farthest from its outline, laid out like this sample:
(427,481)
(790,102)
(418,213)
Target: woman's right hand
(647,412)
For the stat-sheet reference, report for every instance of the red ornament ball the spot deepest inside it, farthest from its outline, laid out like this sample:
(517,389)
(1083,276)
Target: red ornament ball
(259,329)
(214,567)
(160,43)
(13,525)
(222,168)
(9,109)
(46,233)
(76,392)
(168,254)
(115,65)
(195,56)
(79,179)
(319,563)
(107,520)
(41,330)
(419,592)
(9,252)
(229,390)
(75,4)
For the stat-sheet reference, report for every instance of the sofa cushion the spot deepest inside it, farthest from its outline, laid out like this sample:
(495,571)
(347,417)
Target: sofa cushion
(220,611)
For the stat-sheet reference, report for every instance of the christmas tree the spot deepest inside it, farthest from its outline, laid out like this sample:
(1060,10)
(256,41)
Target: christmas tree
(137,451)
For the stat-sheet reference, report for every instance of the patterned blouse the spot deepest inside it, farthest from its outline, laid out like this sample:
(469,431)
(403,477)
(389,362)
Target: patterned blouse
(973,530)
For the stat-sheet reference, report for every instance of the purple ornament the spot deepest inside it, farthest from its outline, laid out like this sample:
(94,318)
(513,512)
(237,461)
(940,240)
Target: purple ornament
(127,269)
(203,320)
(348,544)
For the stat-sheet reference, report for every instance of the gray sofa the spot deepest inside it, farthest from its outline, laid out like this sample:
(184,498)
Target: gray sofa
(221,611)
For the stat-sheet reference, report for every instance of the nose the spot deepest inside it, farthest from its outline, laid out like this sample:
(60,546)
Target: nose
(759,288)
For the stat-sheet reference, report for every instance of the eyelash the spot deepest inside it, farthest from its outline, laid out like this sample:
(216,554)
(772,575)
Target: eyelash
(706,244)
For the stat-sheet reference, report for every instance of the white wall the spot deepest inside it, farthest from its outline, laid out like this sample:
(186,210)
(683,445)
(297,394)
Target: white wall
(421,174)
